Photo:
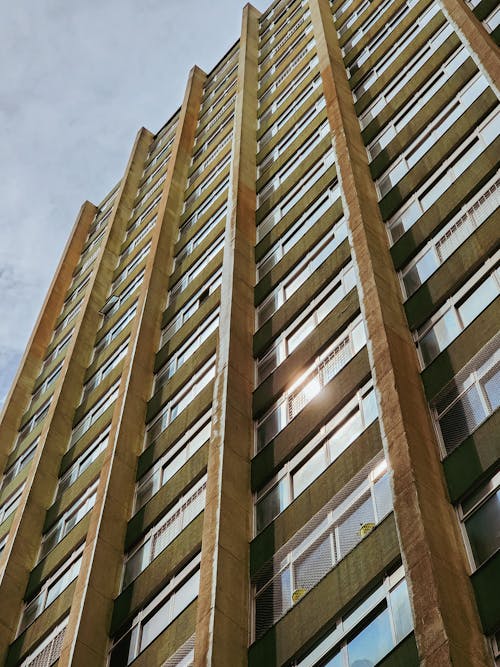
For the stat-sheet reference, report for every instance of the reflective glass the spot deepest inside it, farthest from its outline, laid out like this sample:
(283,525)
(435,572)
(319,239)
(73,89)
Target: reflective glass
(372,643)
(483,529)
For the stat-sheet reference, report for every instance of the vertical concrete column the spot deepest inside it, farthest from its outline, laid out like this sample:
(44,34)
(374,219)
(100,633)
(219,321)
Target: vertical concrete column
(86,640)
(223,602)
(23,542)
(473,34)
(29,367)
(446,622)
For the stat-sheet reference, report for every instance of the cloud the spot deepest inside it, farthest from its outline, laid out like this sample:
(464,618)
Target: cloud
(77,81)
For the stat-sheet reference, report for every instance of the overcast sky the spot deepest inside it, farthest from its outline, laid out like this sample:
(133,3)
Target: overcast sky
(77,80)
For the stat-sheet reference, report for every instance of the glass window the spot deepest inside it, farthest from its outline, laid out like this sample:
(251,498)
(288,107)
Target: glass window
(473,394)
(156,616)
(365,635)
(316,548)
(481,518)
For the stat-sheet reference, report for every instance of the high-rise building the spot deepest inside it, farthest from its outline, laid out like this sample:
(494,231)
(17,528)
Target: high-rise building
(256,422)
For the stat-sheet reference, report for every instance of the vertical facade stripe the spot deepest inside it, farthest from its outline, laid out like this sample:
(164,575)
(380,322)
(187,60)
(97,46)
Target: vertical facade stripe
(446,623)
(223,609)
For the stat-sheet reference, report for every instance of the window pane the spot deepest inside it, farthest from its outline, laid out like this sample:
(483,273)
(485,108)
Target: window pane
(372,643)
(478,300)
(401,612)
(483,529)
(355,526)
(462,419)
(272,602)
(270,505)
(336,661)
(308,472)
(492,388)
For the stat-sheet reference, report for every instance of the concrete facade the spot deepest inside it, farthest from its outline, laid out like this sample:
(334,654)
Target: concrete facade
(256,422)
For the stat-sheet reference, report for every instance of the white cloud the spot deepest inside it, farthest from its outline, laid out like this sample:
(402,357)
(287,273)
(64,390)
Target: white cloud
(77,82)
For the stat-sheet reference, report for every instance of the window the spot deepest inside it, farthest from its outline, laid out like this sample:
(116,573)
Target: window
(208,201)
(276,65)
(367,633)
(137,240)
(186,508)
(208,161)
(173,460)
(195,269)
(49,650)
(191,306)
(290,88)
(208,142)
(299,228)
(432,133)
(181,400)
(132,266)
(114,302)
(459,311)
(310,383)
(33,422)
(395,50)
(11,504)
(211,223)
(451,236)
(86,458)
(18,465)
(156,616)
(69,318)
(371,46)
(323,448)
(290,136)
(470,398)
(443,177)
(354,16)
(311,316)
(56,351)
(131,229)
(301,272)
(76,292)
(417,102)
(480,514)
(188,348)
(296,192)
(292,163)
(115,329)
(321,543)
(269,53)
(98,409)
(214,120)
(52,588)
(105,369)
(46,384)
(137,223)
(68,520)
(292,109)
(204,185)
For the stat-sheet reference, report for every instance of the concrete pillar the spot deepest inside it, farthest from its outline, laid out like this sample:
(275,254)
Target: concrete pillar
(223,601)
(447,627)
(86,640)
(474,35)
(23,543)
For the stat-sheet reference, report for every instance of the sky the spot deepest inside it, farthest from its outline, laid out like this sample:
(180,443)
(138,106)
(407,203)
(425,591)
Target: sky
(77,81)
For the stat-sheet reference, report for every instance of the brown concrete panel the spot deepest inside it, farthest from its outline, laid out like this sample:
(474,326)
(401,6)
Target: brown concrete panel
(223,601)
